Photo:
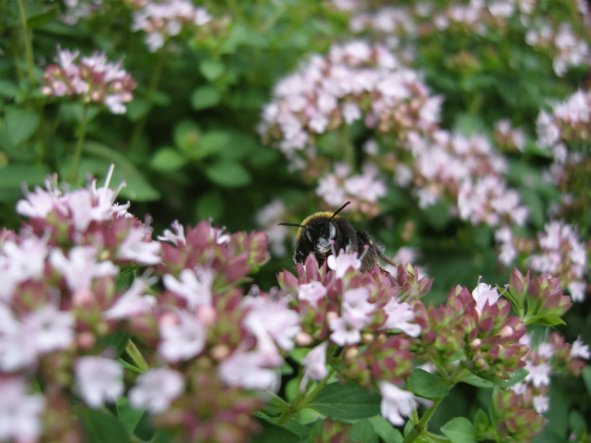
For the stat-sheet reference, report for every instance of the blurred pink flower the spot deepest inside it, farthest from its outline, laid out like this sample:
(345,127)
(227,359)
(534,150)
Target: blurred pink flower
(20,413)
(182,336)
(155,390)
(396,403)
(99,380)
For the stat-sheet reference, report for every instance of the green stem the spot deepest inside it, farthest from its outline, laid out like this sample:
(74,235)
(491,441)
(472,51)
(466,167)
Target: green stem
(152,86)
(79,146)
(27,39)
(303,399)
(421,426)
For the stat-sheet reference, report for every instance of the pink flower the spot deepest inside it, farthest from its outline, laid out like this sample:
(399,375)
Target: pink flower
(484,295)
(194,285)
(174,235)
(17,349)
(399,316)
(355,303)
(20,413)
(20,262)
(182,336)
(99,380)
(541,403)
(311,292)
(346,330)
(138,247)
(539,375)
(80,267)
(396,403)
(342,263)
(248,370)
(315,364)
(274,319)
(40,202)
(156,389)
(579,350)
(49,328)
(133,302)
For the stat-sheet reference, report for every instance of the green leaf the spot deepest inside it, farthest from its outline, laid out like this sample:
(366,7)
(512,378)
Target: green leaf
(481,420)
(272,433)
(8,88)
(475,380)
(460,430)
(587,378)
(387,432)
(346,402)
(210,205)
(167,160)
(228,174)
(211,143)
(138,109)
(517,376)
(138,188)
(16,175)
(187,136)
(128,416)
(21,124)
(205,97)
(576,422)
(427,385)
(363,432)
(211,69)
(101,426)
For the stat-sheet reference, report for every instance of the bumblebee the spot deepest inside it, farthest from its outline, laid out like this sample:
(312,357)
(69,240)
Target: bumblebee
(326,233)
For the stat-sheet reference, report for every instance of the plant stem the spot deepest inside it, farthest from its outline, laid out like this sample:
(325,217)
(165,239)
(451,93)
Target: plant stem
(422,424)
(27,39)
(303,399)
(79,146)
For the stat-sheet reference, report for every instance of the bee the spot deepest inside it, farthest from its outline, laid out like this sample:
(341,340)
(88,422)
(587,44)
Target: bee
(326,233)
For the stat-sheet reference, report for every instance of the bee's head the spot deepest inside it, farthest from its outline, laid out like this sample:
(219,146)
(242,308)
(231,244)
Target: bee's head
(322,233)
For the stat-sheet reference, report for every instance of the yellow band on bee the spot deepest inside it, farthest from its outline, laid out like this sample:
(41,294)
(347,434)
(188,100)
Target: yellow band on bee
(309,218)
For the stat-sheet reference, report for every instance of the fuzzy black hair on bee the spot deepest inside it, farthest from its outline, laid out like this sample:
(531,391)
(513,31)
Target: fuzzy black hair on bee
(325,233)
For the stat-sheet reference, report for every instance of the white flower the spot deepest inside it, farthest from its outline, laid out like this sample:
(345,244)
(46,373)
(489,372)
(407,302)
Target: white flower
(194,285)
(50,329)
(156,389)
(342,263)
(315,364)
(484,295)
(541,403)
(399,316)
(40,202)
(311,292)
(20,413)
(174,235)
(137,248)
(579,350)
(539,375)
(346,330)
(21,262)
(17,350)
(248,370)
(356,304)
(99,380)
(396,403)
(182,336)
(81,267)
(133,302)
(267,318)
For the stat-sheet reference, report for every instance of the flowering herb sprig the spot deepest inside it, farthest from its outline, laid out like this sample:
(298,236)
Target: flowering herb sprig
(184,342)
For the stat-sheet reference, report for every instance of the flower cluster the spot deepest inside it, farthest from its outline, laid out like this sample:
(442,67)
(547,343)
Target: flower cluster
(356,81)
(76,10)
(370,315)
(465,170)
(507,137)
(560,252)
(568,123)
(206,343)
(163,20)
(566,47)
(519,410)
(477,326)
(92,79)
(362,190)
